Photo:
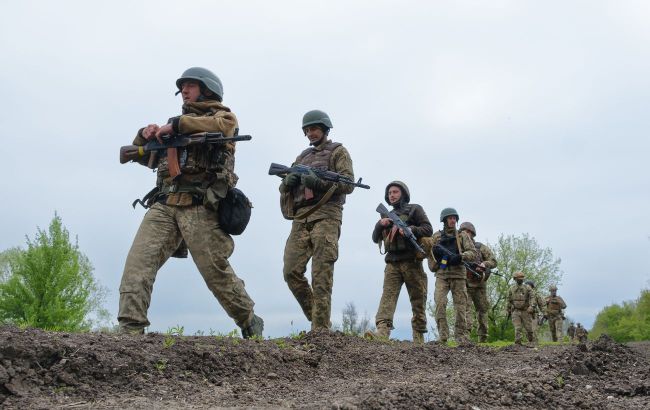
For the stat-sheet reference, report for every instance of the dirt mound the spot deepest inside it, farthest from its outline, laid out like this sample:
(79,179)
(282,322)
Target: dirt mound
(321,369)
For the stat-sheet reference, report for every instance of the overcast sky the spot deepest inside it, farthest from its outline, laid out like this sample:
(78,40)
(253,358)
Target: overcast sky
(527,117)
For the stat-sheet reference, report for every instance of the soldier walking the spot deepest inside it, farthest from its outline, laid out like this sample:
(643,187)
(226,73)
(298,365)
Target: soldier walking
(538,309)
(450,249)
(571,332)
(403,266)
(581,334)
(554,313)
(477,286)
(316,207)
(177,212)
(520,308)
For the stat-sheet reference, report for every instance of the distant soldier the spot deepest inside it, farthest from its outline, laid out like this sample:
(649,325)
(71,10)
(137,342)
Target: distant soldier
(402,264)
(450,249)
(554,313)
(571,332)
(538,309)
(316,207)
(581,334)
(520,308)
(477,286)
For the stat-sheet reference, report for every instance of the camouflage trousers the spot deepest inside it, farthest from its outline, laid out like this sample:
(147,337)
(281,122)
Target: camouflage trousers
(411,274)
(477,296)
(521,318)
(318,241)
(160,233)
(458,288)
(555,323)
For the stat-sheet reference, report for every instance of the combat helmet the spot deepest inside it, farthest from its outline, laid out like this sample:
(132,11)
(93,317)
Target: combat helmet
(203,76)
(448,212)
(316,117)
(468,226)
(518,275)
(552,288)
(406,195)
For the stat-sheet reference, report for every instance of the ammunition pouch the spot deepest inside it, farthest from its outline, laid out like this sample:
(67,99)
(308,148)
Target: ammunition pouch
(426,242)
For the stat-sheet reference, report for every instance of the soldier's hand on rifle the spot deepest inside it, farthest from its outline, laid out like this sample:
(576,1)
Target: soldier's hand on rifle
(149,131)
(311,181)
(291,180)
(385,222)
(164,130)
(438,252)
(455,260)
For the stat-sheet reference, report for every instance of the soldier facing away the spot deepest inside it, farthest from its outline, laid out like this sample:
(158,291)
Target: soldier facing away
(177,211)
(402,263)
(450,249)
(477,287)
(571,332)
(538,309)
(581,334)
(554,313)
(316,218)
(520,308)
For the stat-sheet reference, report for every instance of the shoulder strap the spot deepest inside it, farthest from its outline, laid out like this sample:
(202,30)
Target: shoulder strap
(320,203)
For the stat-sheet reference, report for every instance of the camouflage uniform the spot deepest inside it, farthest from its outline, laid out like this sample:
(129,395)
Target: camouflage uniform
(454,279)
(403,266)
(316,236)
(571,332)
(177,213)
(554,307)
(520,300)
(477,291)
(581,334)
(538,312)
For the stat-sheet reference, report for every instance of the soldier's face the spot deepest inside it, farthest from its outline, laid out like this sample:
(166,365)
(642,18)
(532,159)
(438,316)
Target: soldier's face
(451,221)
(394,195)
(191,91)
(314,133)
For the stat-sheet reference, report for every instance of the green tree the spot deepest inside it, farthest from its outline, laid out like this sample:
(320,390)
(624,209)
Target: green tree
(627,322)
(50,285)
(517,253)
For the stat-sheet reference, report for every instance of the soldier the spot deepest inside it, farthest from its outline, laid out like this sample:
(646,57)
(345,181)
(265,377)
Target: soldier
(520,308)
(450,249)
(177,212)
(477,286)
(554,313)
(402,264)
(581,334)
(316,207)
(538,309)
(571,332)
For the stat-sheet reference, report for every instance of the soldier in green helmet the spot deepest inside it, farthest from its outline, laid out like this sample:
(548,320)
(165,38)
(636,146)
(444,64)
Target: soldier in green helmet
(176,210)
(403,264)
(317,209)
(451,248)
(477,286)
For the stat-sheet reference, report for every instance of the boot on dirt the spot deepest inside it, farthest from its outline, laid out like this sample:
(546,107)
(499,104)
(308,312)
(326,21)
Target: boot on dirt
(254,329)
(418,338)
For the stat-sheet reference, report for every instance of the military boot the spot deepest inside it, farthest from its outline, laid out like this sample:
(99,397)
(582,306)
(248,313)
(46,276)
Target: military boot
(254,329)
(418,337)
(383,331)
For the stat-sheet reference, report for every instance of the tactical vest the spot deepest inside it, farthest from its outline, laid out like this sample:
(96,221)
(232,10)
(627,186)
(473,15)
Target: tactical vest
(397,243)
(449,242)
(470,276)
(519,293)
(319,159)
(553,305)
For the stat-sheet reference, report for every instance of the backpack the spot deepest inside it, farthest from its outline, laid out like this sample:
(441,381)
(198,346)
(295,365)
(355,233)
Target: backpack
(234,212)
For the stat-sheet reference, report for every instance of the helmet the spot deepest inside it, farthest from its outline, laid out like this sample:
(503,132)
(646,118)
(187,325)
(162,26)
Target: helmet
(468,226)
(205,77)
(406,195)
(552,288)
(316,117)
(518,275)
(530,283)
(447,212)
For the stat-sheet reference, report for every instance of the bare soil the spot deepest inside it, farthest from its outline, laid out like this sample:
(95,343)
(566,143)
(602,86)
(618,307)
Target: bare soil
(41,369)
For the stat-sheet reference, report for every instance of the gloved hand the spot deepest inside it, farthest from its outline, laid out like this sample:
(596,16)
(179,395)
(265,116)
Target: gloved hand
(311,181)
(455,260)
(438,252)
(291,180)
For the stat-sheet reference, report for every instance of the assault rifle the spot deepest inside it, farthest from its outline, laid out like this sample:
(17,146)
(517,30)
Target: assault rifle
(477,267)
(282,171)
(408,233)
(467,265)
(171,143)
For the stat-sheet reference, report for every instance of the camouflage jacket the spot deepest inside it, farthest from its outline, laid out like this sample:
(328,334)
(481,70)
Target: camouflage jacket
(467,252)
(486,256)
(554,306)
(399,249)
(520,297)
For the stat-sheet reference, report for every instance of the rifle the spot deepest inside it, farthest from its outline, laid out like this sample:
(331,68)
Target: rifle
(282,171)
(171,143)
(408,233)
(467,265)
(490,271)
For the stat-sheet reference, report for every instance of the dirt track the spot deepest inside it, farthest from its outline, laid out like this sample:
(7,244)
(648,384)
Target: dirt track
(321,370)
